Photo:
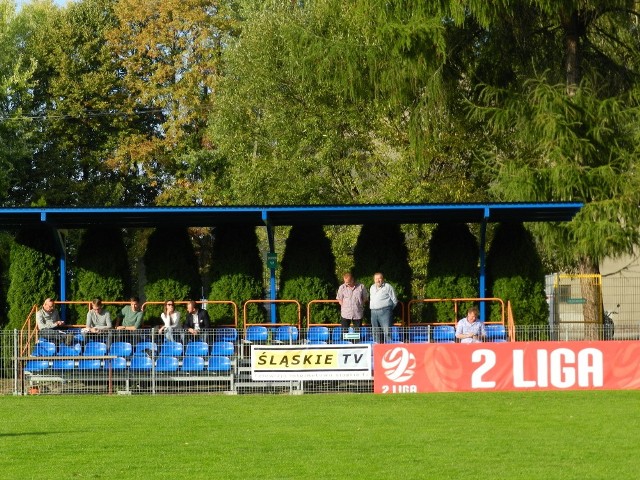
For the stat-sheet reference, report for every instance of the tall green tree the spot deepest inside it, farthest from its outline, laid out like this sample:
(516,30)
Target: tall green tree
(102,269)
(236,274)
(171,269)
(308,273)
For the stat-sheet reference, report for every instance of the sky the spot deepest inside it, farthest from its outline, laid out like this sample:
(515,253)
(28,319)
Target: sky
(19,3)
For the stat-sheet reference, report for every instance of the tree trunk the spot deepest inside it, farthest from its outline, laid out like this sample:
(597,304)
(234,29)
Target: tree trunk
(591,289)
(574,27)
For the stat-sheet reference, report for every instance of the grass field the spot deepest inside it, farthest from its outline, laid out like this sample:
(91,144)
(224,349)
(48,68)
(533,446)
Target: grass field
(534,435)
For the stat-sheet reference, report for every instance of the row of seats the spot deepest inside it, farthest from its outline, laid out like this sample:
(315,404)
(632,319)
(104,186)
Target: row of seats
(139,363)
(126,349)
(323,334)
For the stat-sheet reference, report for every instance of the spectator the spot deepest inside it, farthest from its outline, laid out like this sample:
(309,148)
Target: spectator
(468,329)
(382,302)
(197,321)
(130,317)
(49,323)
(171,319)
(98,321)
(351,296)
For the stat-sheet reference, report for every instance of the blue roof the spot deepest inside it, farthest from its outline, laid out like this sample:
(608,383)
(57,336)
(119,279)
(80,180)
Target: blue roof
(142,217)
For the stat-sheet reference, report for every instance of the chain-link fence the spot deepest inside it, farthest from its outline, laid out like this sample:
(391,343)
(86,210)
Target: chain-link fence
(233,361)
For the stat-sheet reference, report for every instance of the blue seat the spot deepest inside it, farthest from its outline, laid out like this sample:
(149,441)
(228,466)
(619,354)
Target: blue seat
(197,349)
(118,363)
(366,335)
(143,348)
(222,348)
(396,334)
(44,349)
(337,336)
(69,351)
(93,364)
(63,364)
(166,364)
(95,349)
(141,363)
(495,333)
(444,334)
(192,364)
(36,365)
(121,349)
(219,364)
(286,334)
(225,334)
(318,335)
(419,334)
(256,333)
(171,349)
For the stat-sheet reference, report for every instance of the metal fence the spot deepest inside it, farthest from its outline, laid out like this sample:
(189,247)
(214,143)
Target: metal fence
(219,361)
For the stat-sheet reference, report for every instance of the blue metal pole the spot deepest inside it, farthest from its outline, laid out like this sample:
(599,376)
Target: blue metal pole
(483,264)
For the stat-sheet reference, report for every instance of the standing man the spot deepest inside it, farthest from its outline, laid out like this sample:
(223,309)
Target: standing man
(49,323)
(197,321)
(383,300)
(351,296)
(468,330)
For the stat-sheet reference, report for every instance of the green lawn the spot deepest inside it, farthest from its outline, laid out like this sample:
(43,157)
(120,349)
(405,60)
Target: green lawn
(534,435)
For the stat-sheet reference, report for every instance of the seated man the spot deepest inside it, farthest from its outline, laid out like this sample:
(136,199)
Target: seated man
(130,317)
(98,322)
(49,323)
(197,322)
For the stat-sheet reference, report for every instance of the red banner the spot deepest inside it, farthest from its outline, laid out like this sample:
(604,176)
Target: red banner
(433,367)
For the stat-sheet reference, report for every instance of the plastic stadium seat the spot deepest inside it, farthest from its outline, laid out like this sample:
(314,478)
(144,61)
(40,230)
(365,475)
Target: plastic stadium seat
(94,364)
(63,364)
(68,351)
(167,364)
(495,333)
(121,349)
(118,363)
(36,365)
(141,363)
(222,348)
(197,349)
(143,348)
(396,334)
(192,364)
(444,334)
(337,336)
(419,334)
(256,333)
(171,349)
(318,335)
(286,334)
(225,334)
(95,349)
(366,335)
(219,364)
(44,349)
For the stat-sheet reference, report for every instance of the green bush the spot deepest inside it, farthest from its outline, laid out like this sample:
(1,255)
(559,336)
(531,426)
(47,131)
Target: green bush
(171,269)
(236,274)
(102,269)
(308,273)
(452,271)
(515,273)
(33,272)
(382,248)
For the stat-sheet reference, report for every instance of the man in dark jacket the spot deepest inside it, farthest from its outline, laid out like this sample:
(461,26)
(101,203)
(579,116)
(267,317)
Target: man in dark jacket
(197,321)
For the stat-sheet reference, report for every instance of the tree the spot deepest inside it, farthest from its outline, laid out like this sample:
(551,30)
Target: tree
(308,273)
(170,52)
(452,270)
(102,268)
(515,274)
(382,248)
(33,273)
(236,273)
(171,269)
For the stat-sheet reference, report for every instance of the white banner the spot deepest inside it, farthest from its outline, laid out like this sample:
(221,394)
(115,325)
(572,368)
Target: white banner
(311,362)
